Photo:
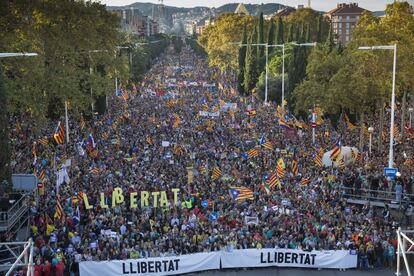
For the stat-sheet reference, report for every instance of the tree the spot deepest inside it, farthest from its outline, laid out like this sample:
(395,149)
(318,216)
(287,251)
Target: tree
(261,40)
(330,44)
(5,169)
(291,33)
(319,29)
(250,75)
(242,61)
(271,36)
(218,39)
(280,31)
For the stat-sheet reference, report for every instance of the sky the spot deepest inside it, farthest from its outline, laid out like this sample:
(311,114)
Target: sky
(321,5)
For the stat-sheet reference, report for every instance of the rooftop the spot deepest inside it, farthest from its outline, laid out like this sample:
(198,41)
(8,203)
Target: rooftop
(344,8)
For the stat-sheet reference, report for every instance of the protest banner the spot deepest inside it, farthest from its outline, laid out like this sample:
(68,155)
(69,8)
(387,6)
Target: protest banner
(153,266)
(289,258)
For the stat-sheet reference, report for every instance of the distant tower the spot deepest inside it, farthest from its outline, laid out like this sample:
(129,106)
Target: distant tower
(161,9)
(309,4)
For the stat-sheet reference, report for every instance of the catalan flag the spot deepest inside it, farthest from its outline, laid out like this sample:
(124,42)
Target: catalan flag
(252,153)
(149,141)
(177,120)
(295,168)
(42,176)
(265,143)
(95,170)
(336,151)
(280,168)
(178,150)
(82,123)
(216,173)
(59,134)
(318,159)
(355,155)
(273,181)
(94,153)
(34,151)
(59,210)
(80,196)
(284,124)
(348,123)
(44,141)
(241,193)
(124,95)
(265,187)
(341,163)
(396,132)
(304,181)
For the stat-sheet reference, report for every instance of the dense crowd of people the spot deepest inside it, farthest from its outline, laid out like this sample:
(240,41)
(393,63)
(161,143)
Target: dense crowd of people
(128,152)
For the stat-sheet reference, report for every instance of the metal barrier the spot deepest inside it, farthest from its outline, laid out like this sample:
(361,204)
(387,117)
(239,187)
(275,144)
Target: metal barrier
(378,198)
(16,215)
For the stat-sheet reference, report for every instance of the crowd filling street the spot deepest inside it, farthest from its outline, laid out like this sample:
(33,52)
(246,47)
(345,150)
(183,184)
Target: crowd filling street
(244,179)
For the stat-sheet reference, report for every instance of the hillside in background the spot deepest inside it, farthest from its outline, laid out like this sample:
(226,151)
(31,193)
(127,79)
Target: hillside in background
(255,9)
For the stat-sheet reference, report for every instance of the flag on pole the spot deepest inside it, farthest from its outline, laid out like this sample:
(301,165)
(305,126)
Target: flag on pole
(318,159)
(82,123)
(341,163)
(348,123)
(124,95)
(241,193)
(252,153)
(273,181)
(396,132)
(178,150)
(44,141)
(59,134)
(265,187)
(336,151)
(216,173)
(265,143)
(295,168)
(305,181)
(95,170)
(280,168)
(59,210)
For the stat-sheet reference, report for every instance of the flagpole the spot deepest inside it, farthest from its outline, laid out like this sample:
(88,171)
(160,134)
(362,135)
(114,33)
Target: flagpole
(67,122)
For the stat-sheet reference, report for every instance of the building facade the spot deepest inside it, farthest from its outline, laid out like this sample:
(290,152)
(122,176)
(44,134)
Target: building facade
(133,21)
(344,19)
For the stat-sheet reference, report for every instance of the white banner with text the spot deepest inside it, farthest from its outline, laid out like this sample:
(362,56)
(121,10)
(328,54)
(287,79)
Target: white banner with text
(153,266)
(288,258)
(211,261)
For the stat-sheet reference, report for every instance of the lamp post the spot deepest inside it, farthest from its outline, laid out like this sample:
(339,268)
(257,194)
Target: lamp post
(394,48)
(410,112)
(370,130)
(283,46)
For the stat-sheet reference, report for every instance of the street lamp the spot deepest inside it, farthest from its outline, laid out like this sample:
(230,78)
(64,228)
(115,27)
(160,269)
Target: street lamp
(410,111)
(313,44)
(370,130)
(394,48)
